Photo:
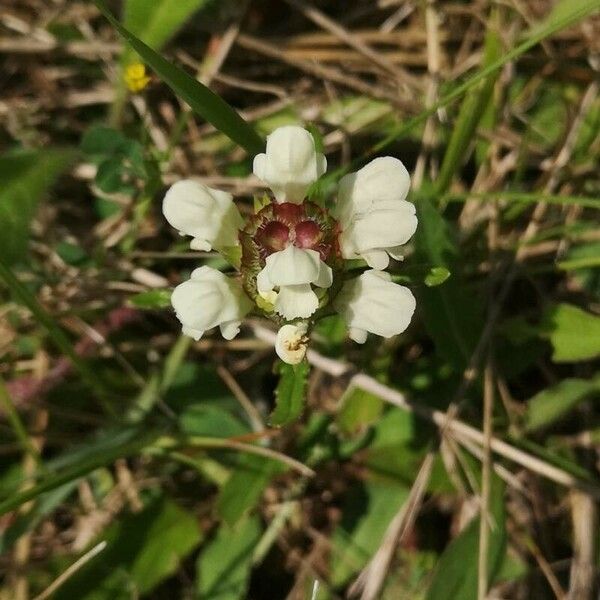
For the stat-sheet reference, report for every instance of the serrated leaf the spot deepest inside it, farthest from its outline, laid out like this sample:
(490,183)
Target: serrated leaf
(202,100)
(152,299)
(290,393)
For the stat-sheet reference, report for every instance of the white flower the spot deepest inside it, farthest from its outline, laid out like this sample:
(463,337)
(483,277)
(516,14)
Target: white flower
(293,270)
(373,303)
(291,343)
(373,213)
(210,298)
(208,215)
(290,164)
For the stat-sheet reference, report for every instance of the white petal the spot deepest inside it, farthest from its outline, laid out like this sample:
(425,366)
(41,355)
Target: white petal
(325,277)
(291,343)
(383,179)
(386,226)
(372,302)
(290,164)
(195,334)
(206,214)
(357,335)
(376,259)
(293,266)
(209,298)
(296,302)
(230,329)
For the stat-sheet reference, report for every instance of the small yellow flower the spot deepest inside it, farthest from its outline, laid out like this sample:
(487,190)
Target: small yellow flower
(135,77)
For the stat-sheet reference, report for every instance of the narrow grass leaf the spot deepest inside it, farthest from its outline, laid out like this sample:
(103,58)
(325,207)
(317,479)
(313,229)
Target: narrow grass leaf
(202,100)
(25,176)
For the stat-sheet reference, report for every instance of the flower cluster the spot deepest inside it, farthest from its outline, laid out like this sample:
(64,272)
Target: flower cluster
(293,251)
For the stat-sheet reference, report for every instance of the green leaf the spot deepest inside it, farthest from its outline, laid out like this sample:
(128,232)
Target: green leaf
(77,464)
(202,100)
(202,420)
(436,276)
(456,573)
(574,333)
(25,177)
(368,510)
(152,299)
(244,488)
(102,141)
(471,111)
(451,313)
(290,393)
(551,404)
(358,408)
(223,567)
(143,550)
(156,22)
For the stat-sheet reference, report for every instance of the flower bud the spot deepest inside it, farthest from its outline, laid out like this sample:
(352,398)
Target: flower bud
(208,215)
(374,217)
(291,343)
(373,303)
(210,298)
(290,164)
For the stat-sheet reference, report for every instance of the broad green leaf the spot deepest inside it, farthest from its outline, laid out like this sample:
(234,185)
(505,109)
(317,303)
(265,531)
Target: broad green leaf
(25,177)
(202,420)
(290,393)
(152,299)
(451,313)
(243,490)
(201,99)
(368,510)
(157,21)
(224,565)
(574,333)
(456,573)
(143,550)
(358,408)
(551,404)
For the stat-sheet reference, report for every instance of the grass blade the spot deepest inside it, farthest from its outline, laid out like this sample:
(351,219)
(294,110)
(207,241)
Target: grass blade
(202,100)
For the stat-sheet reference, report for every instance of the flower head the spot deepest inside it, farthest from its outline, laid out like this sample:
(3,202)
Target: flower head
(135,77)
(292,267)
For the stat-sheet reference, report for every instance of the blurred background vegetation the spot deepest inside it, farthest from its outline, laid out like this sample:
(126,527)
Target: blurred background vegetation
(456,461)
